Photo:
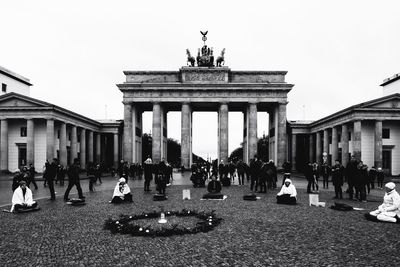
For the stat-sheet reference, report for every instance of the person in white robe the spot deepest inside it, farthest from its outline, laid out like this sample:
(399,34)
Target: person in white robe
(288,193)
(22,198)
(122,192)
(389,211)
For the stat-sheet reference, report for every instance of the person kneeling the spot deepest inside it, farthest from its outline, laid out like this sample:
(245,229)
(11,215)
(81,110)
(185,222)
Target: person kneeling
(122,192)
(288,193)
(389,211)
(22,199)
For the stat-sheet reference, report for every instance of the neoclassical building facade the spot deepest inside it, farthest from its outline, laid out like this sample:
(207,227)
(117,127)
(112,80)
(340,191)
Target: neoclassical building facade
(370,131)
(33,131)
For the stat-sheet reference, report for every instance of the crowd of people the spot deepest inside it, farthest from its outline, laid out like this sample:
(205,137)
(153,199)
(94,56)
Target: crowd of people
(359,178)
(260,175)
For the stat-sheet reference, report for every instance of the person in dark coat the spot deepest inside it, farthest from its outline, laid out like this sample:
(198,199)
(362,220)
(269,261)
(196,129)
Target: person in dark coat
(241,169)
(61,174)
(371,179)
(308,173)
(315,173)
(221,170)
(148,174)
(361,181)
(255,169)
(32,172)
(51,173)
(337,179)
(325,172)
(73,179)
(263,177)
(160,179)
(351,171)
(380,176)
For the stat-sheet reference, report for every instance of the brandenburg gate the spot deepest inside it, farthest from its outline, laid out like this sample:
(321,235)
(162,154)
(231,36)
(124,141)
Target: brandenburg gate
(205,87)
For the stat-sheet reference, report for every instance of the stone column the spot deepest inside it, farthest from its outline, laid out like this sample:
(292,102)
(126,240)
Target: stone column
(115,158)
(378,144)
(245,136)
(326,144)
(345,145)
(318,148)
(252,130)
(186,114)
(157,132)
(83,149)
(294,151)
(90,147)
(74,144)
(281,135)
(30,141)
(311,149)
(98,147)
(335,147)
(4,145)
(63,144)
(223,124)
(357,140)
(49,139)
(128,133)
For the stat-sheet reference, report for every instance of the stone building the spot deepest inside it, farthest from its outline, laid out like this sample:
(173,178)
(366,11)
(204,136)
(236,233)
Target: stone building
(370,131)
(193,89)
(13,82)
(33,131)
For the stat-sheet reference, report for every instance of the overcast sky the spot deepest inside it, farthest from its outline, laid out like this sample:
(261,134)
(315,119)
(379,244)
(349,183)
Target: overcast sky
(336,52)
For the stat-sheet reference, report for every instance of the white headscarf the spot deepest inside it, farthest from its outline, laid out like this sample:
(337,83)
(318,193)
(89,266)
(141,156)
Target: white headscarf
(291,189)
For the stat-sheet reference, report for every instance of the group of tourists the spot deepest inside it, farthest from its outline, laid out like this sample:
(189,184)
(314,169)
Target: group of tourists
(359,178)
(260,174)
(25,174)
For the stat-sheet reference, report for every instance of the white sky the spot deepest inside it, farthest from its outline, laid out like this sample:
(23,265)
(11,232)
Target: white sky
(337,52)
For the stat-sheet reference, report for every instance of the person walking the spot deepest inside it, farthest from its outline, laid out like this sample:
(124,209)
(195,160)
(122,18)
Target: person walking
(51,173)
(31,172)
(73,179)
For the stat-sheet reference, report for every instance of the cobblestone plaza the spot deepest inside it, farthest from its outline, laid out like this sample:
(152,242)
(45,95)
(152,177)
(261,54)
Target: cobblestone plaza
(255,233)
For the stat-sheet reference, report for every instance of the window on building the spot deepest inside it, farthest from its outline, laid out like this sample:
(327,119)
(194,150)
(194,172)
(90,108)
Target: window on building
(4,88)
(23,131)
(386,133)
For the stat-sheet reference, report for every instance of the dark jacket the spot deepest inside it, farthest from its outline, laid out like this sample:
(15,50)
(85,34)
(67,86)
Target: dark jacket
(73,173)
(337,175)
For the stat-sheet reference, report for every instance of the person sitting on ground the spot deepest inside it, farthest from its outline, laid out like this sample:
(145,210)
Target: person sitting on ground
(389,211)
(288,193)
(122,192)
(22,198)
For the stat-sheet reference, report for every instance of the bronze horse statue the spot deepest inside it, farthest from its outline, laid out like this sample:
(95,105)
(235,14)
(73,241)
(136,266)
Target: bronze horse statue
(190,58)
(221,59)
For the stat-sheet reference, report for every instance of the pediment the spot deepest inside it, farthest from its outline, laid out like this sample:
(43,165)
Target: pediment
(16,100)
(392,101)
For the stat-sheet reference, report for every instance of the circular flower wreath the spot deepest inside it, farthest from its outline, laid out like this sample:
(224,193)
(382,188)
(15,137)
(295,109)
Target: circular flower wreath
(207,222)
